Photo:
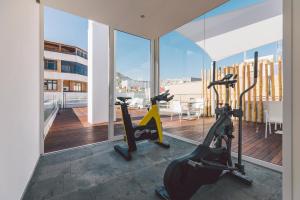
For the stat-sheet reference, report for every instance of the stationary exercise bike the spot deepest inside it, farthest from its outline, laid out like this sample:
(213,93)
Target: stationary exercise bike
(149,128)
(211,159)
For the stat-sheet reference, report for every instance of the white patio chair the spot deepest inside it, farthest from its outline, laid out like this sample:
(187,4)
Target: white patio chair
(176,108)
(197,107)
(136,103)
(273,114)
(172,108)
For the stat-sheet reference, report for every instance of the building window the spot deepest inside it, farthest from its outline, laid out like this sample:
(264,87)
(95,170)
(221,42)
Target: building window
(73,67)
(50,85)
(66,66)
(50,64)
(77,87)
(81,53)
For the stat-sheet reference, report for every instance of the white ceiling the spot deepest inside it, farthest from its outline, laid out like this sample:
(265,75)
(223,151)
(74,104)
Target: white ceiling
(161,16)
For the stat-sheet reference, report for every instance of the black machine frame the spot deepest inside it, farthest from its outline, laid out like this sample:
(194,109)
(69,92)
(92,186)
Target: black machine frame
(149,128)
(210,160)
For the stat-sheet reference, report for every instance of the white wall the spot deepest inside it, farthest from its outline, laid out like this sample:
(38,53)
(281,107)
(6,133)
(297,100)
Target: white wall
(20,96)
(185,91)
(187,88)
(98,77)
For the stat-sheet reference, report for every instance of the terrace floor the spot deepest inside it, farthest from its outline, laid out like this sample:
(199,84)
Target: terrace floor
(98,172)
(71,129)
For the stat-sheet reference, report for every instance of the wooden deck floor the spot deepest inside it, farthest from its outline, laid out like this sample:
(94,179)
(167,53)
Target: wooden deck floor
(255,144)
(70,129)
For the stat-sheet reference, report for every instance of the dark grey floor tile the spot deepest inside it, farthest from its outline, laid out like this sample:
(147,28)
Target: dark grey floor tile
(98,172)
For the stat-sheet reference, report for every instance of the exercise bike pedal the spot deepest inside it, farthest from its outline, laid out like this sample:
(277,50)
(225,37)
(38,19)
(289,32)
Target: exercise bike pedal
(123,151)
(163,144)
(162,193)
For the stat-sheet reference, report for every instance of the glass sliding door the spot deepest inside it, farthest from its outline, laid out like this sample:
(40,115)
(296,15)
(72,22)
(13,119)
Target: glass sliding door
(230,37)
(132,77)
(181,65)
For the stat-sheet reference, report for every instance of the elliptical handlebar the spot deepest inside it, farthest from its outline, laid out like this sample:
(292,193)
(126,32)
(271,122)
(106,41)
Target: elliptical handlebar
(240,130)
(255,79)
(214,79)
(255,64)
(224,81)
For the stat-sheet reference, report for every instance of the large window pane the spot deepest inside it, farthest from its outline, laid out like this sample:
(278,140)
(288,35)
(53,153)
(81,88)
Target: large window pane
(235,56)
(181,66)
(230,37)
(73,67)
(132,76)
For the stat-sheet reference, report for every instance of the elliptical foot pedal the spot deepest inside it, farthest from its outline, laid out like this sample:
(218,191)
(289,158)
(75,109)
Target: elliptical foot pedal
(123,151)
(162,193)
(163,144)
(241,177)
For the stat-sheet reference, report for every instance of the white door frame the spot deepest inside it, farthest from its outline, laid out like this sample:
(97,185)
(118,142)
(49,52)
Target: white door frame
(41,78)
(287,144)
(111,111)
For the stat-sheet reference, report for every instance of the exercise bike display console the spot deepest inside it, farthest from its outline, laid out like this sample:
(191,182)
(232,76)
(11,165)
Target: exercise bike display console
(211,159)
(149,128)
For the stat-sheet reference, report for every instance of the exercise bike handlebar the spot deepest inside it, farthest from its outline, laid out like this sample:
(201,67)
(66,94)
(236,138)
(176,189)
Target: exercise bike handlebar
(122,100)
(162,97)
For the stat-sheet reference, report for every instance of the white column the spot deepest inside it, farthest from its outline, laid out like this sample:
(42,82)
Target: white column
(154,71)
(291,98)
(98,73)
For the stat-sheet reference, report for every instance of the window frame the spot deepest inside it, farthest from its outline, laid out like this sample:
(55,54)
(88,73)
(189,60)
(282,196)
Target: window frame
(50,61)
(50,83)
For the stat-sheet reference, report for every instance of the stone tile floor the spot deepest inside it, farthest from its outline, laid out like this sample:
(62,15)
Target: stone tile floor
(97,172)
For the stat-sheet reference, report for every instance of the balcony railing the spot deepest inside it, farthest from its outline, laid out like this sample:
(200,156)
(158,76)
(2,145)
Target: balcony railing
(51,103)
(74,99)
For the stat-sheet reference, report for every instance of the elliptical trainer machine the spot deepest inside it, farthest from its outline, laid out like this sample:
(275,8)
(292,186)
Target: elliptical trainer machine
(211,159)
(149,128)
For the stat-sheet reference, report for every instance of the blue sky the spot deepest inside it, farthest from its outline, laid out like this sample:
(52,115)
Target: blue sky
(132,56)
(179,57)
(66,28)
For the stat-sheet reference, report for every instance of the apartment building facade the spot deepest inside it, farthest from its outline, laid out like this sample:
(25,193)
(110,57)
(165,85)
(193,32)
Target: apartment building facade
(65,74)
(65,68)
